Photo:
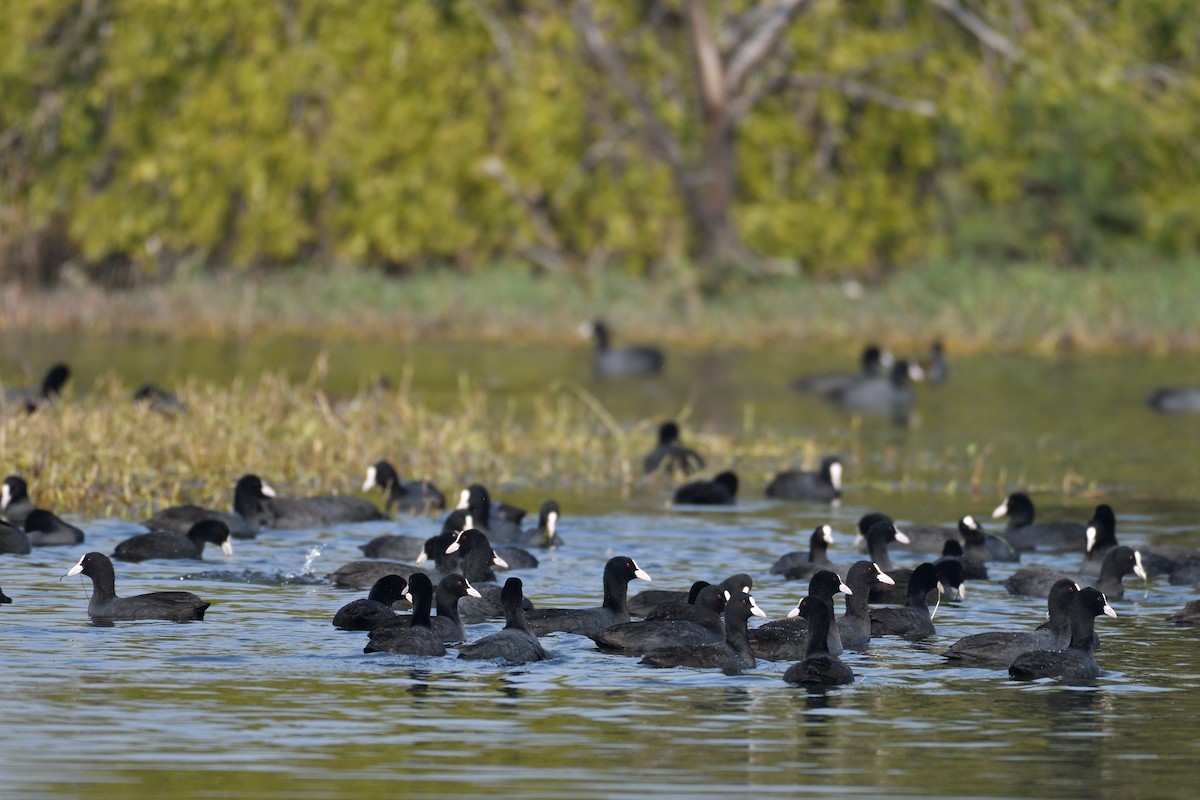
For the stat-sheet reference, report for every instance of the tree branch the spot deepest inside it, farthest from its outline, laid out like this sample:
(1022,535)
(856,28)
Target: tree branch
(861,90)
(708,61)
(761,43)
(986,34)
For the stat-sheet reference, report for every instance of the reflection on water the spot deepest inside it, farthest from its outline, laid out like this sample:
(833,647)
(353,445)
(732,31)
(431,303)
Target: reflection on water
(266,699)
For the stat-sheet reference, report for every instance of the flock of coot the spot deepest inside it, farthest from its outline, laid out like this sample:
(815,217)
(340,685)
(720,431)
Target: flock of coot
(426,593)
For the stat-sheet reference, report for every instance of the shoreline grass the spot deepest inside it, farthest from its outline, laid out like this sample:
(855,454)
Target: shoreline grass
(973,307)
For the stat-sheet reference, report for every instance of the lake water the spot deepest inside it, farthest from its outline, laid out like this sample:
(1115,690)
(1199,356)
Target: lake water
(266,699)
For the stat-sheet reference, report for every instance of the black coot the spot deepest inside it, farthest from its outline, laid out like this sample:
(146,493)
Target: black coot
(670,454)
(32,398)
(973,569)
(786,639)
(47,530)
(704,624)
(890,395)
(15,503)
(872,361)
(417,497)
(417,638)
(795,484)
(167,544)
(731,656)
(982,546)
(913,620)
(951,577)
(1101,536)
(820,667)
(4,598)
(105,605)
(13,540)
(546,532)
(618,572)
(367,613)
(447,624)
(720,491)
(1076,662)
(881,534)
(298,513)
(475,561)
(620,362)
(515,643)
(1177,400)
(799,564)
(662,604)
(1188,615)
(855,625)
(248,497)
(1035,581)
(1024,534)
(500,522)
(997,649)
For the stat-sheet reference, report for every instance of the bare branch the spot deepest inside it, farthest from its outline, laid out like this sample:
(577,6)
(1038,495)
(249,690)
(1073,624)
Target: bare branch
(986,34)
(860,90)
(708,60)
(657,133)
(549,253)
(761,43)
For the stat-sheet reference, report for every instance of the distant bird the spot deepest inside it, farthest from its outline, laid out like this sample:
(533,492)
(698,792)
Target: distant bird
(106,605)
(158,399)
(703,624)
(501,522)
(1120,561)
(872,362)
(546,532)
(47,530)
(819,667)
(670,454)
(936,370)
(418,497)
(795,484)
(248,497)
(15,503)
(31,399)
(1075,663)
(720,491)
(889,395)
(1177,400)
(1188,615)
(171,545)
(1024,534)
(615,362)
(516,643)
(1101,536)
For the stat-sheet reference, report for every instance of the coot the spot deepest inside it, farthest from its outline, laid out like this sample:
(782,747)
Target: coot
(516,643)
(619,362)
(704,624)
(105,605)
(417,638)
(872,361)
(798,564)
(15,503)
(1076,662)
(997,649)
(447,624)
(417,497)
(13,540)
(1023,534)
(670,454)
(824,485)
(367,613)
(1035,581)
(248,497)
(820,667)
(786,639)
(47,530)
(167,544)
(1176,400)
(618,572)
(913,620)
(731,656)
(720,491)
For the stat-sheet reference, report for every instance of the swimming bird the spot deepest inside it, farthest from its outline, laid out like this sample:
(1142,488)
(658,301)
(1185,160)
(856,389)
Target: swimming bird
(820,666)
(30,399)
(973,569)
(447,624)
(168,544)
(951,580)
(106,605)
(1122,560)
(475,561)
(620,362)
(1188,615)
(872,362)
(786,639)
(4,598)
(670,454)
(673,604)
(367,613)
(248,497)
(618,572)
(824,485)
(13,540)
(1075,663)
(417,638)
(298,513)
(936,369)
(720,491)
(546,532)
(913,620)
(798,564)
(705,623)
(44,529)
(417,497)
(731,656)
(15,503)
(997,649)
(1023,534)
(516,643)
(889,395)
(1176,400)
(500,522)
(881,533)
(854,625)
(1100,537)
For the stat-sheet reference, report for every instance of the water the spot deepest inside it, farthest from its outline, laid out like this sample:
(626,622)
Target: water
(266,699)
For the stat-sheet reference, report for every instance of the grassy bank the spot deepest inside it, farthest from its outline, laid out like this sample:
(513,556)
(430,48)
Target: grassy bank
(1021,308)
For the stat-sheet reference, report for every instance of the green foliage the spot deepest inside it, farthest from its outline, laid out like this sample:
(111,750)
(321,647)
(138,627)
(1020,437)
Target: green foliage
(152,134)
